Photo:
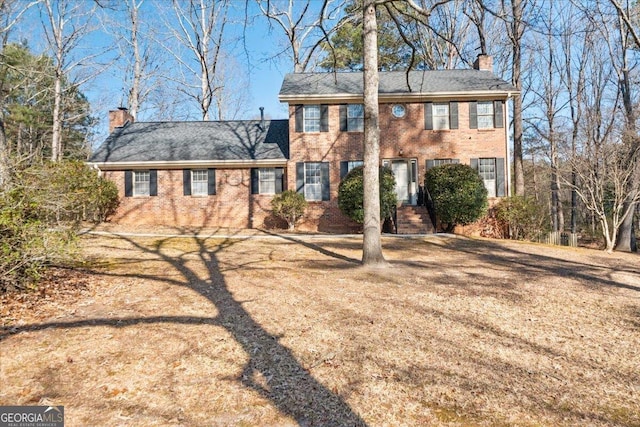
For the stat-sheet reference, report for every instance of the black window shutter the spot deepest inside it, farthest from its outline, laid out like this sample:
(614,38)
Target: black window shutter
(430,164)
(324,175)
(211,182)
(500,187)
(453,115)
(498,118)
(428,115)
(324,118)
(300,177)
(343,117)
(279,180)
(344,169)
(128,183)
(186,182)
(153,182)
(255,181)
(474,164)
(473,115)
(299,118)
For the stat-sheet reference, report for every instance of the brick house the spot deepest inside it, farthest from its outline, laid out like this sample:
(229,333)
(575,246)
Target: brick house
(225,173)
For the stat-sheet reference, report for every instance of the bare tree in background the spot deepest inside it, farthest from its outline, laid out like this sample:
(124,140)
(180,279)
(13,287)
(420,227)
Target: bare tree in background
(629,38)
(305,26)
(547,91)
(138,53)
(575,72)
(65,24)
(11,12)
(198,26)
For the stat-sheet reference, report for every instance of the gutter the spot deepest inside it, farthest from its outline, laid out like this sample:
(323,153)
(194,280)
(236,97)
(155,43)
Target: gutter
(506,136)
(189,164)
(398,97)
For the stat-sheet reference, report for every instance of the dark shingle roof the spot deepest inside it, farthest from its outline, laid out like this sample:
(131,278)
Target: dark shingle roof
(394,82)
(196,141)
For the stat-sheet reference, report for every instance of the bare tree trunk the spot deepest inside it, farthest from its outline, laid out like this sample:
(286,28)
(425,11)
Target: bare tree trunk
(4,157)
(134,92)
(626,239)
(517,29)
(56,131)
(372,245)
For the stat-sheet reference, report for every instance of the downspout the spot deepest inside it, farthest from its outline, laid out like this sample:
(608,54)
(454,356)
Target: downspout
(506,137)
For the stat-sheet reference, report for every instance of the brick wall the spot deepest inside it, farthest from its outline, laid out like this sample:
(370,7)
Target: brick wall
(406,133)
(232,206)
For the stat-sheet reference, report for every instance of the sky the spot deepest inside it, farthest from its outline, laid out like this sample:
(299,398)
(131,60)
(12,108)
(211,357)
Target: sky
(255,49)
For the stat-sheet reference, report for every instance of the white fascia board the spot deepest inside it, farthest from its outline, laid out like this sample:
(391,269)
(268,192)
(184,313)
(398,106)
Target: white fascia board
(191,164)
(396,97)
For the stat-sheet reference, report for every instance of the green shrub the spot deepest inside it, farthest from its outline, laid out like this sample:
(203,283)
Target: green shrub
(39,215)
(290,206)
(458,194)
(351,194)
(521,217)
(70,192)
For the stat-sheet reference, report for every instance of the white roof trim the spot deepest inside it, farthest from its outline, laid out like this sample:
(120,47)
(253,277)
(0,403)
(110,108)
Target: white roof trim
(190,164)
(399,97)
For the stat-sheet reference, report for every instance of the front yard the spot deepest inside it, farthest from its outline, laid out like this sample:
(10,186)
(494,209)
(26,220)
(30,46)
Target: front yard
(268,330)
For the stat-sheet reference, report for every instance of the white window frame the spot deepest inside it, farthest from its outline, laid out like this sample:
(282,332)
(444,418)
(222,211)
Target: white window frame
(488,173)
(440,162)
(485,114)
(440,115)
(141,183)
(355,117)
(352,164)
(266,180)
(199,182)
(312,114)
(313,190)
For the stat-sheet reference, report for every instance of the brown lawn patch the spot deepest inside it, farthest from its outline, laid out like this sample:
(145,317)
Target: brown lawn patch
(291,331)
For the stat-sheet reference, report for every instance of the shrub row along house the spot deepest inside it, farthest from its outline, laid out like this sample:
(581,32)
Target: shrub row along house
(224,174)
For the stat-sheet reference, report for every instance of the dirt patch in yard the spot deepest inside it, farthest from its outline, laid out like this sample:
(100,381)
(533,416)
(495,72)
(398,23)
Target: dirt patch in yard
(252,330)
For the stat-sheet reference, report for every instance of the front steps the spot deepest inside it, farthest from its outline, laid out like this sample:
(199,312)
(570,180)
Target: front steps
(414,220)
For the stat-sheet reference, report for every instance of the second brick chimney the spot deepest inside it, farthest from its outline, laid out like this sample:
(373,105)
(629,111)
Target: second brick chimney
(118,118)
(484,62)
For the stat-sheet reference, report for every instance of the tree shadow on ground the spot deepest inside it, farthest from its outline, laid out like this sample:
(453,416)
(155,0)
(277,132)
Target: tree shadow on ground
(272,369)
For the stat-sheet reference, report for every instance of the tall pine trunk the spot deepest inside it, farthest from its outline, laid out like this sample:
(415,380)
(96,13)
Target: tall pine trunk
(372,244)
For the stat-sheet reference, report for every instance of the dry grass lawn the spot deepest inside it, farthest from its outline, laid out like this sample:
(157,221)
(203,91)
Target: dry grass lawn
(167,331)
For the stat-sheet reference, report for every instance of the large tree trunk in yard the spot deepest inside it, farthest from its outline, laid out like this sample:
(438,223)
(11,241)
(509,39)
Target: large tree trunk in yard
(372,244)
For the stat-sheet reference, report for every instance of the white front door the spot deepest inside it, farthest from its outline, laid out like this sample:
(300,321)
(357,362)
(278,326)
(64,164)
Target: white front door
(400,169)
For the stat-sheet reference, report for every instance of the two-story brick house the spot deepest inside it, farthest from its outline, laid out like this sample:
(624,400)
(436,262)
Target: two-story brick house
(426,118)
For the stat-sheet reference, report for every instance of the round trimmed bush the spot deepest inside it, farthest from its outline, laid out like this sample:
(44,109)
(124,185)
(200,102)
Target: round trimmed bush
(351,194)
(290,206)
(458,194)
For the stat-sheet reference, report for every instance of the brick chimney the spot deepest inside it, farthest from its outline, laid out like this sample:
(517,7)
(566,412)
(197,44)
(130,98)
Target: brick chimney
(118,118)
(484,62)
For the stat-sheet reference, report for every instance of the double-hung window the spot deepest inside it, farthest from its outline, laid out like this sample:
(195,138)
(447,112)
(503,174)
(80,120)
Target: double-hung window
(312,181)
(485,114)
(487,171)
(199,182)
(267,181)
(141,183)
(355,117)
(348,165)
(441,116)
(311,118)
